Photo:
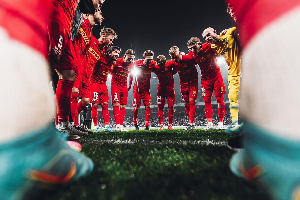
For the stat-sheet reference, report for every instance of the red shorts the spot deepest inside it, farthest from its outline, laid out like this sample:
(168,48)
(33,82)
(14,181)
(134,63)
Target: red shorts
(99,93)
(215,84)
(119,94)
(58,39)
(138,96)
(163,93)
(189,91)
(85,88)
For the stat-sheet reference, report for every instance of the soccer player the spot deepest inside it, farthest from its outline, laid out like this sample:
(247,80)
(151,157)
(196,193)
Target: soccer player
(96,50)
(165,90)
(141,88)
(61,52)
(270,99)
(227,44)
(211,78)
(103,67)
(82,82)
(119,89)
(188,75)
(32,152)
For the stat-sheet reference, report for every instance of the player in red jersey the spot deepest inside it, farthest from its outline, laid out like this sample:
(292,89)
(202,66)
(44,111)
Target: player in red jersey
(61,51)
(211,77)
(95,51)
(119,89)
(141,88)
(23,54)
(165,90)
(102,69)
(81,84)
(188,75)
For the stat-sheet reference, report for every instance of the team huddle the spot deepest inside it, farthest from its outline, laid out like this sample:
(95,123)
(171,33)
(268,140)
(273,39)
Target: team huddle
(84,62)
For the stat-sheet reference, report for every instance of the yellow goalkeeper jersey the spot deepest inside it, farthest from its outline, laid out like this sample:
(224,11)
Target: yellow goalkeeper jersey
(229,47)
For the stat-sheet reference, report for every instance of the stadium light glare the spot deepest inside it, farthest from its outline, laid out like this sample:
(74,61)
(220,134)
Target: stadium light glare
(221,60)
(135,71)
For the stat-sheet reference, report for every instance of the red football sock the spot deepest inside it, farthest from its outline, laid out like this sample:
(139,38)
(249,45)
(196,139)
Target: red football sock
(171,114)
(95,115)
(74,112)
(147,116)
(116,113)
(79,108)
(135,115)
(187,109)
(161,114)
(63,96)
(208,108)
(192,112)
(221,108)
(105,114)
(122,115)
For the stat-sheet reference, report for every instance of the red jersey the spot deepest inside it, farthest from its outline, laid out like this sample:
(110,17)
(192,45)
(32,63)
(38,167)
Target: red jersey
(142,82)
(92,55)
(120,72)
(26,21)
(187,71)
(83,37)
(206,59)
(102,68)
(165,74)
(64,11)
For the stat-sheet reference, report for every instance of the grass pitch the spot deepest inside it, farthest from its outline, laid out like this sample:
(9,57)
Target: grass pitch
(160,165)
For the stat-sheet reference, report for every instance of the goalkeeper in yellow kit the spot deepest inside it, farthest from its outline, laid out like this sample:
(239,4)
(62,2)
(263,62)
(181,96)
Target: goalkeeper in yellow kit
(227,44)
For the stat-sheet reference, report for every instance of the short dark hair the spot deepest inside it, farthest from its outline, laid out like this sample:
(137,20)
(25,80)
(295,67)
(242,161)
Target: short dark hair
(161,59)
(113,48)
(129,52)
(148,53)
(108,31)
(193,41)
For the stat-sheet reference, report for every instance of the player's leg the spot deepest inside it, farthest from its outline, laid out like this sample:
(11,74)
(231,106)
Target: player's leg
(115,97)
(103,99)
(193,94)
(171,100)
(185,98)
(147,102)
(161,105)
(207,94)
(74,97)
(123,103)
(219,91)
(234,88)
(270,105)
(34,135)
(136,104)
(95,104)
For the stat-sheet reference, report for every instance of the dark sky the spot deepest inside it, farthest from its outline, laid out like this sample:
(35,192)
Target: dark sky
(159,24)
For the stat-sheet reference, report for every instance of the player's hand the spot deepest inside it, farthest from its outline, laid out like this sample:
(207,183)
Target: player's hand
(224,32)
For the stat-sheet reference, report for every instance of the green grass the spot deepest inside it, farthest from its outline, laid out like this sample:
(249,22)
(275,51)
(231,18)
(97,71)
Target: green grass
(160,165)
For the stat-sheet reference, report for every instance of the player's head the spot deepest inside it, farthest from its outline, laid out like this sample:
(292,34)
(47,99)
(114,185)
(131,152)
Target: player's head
(174,53)
(98,16)
(129,56)
(161,60)
(90,7)
(107,36)
(148,56)
(210,35)
(194,44)
(113,52)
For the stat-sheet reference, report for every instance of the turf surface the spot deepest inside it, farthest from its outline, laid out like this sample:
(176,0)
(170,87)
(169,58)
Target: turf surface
(160,165)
